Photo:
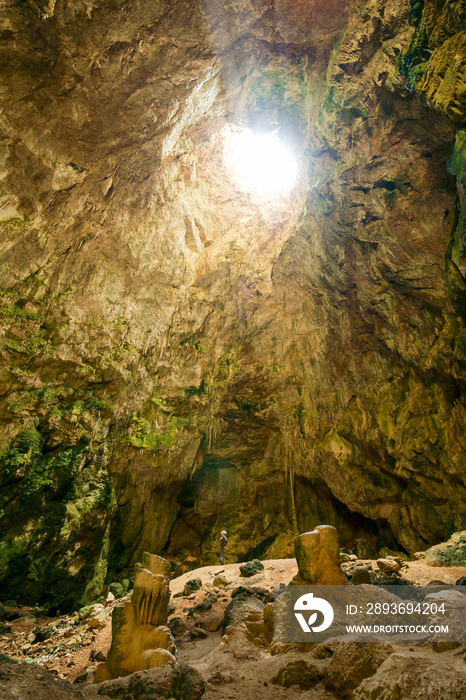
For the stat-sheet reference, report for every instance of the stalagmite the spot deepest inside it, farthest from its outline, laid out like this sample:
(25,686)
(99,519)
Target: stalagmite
(318,557)
(140,639)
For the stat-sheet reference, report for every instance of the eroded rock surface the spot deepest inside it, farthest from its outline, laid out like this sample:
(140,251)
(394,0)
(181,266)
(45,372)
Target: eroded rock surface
(408,676)
(318,557)
(180,683)
(179,356)
(140,638)
(449,553)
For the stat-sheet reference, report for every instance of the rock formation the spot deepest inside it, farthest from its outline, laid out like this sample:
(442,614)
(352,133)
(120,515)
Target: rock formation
(140,639)
(318,557)
(180,355)
(450,553)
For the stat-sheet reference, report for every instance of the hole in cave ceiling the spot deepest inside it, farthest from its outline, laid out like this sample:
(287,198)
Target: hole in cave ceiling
(260,163)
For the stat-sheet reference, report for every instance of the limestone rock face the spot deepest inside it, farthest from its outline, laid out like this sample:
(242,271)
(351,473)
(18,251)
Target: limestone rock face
(180,355)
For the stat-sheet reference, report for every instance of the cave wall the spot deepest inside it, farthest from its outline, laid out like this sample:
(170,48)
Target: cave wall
(179,356)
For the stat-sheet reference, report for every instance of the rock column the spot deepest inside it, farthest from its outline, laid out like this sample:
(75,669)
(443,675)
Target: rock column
(140,639)
(318,557)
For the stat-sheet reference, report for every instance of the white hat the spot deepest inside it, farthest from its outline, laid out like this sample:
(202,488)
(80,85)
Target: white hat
(223,532)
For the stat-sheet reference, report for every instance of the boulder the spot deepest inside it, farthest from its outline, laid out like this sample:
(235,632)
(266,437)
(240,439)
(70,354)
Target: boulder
(178,626)
(192,586)
(251,568)
(450,553)
(182,682)
(261,593)
(117,589)
(360,575)
(410,677)
(387,580)
(222,678)
(351,663)
(385,553)
(318,557)
(301,673)
(90,610)
(220,581)
(203,607)
(44,633)
(238,609)
(212,621)
(454,600)
(99,620)
(364,550)
(388,566)
(11,613)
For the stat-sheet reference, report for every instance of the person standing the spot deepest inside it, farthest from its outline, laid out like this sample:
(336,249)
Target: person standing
(223,544)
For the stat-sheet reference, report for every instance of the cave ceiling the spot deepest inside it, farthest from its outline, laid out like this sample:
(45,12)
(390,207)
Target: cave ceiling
(180,354)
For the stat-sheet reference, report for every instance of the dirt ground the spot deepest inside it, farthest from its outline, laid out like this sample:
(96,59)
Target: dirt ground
(231,668)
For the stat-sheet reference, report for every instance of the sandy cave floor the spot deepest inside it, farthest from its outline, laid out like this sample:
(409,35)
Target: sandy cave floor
(231,671)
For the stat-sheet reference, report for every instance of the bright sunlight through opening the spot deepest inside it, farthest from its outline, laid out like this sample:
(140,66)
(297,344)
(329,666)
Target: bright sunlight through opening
(262,163)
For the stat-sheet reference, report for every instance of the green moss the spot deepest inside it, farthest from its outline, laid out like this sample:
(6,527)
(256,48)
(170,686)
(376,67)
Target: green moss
(457,162)
(456,251)
(390,198)
(34,345)
(13,311)
(415,60)
(11,549)
(12,344)
(54,497)
(141,434)
(25,460)
(24,450)
(122,354)
(195,344)
(416,73)
(196,391)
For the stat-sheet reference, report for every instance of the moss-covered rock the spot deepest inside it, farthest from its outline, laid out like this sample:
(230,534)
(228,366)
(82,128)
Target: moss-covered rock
(57,500)
(450,553)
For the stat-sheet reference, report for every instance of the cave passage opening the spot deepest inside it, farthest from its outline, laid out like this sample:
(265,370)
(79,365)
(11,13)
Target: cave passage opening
(260,162)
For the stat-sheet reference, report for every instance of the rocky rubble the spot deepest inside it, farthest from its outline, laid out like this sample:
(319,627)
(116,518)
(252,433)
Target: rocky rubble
(226,648)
